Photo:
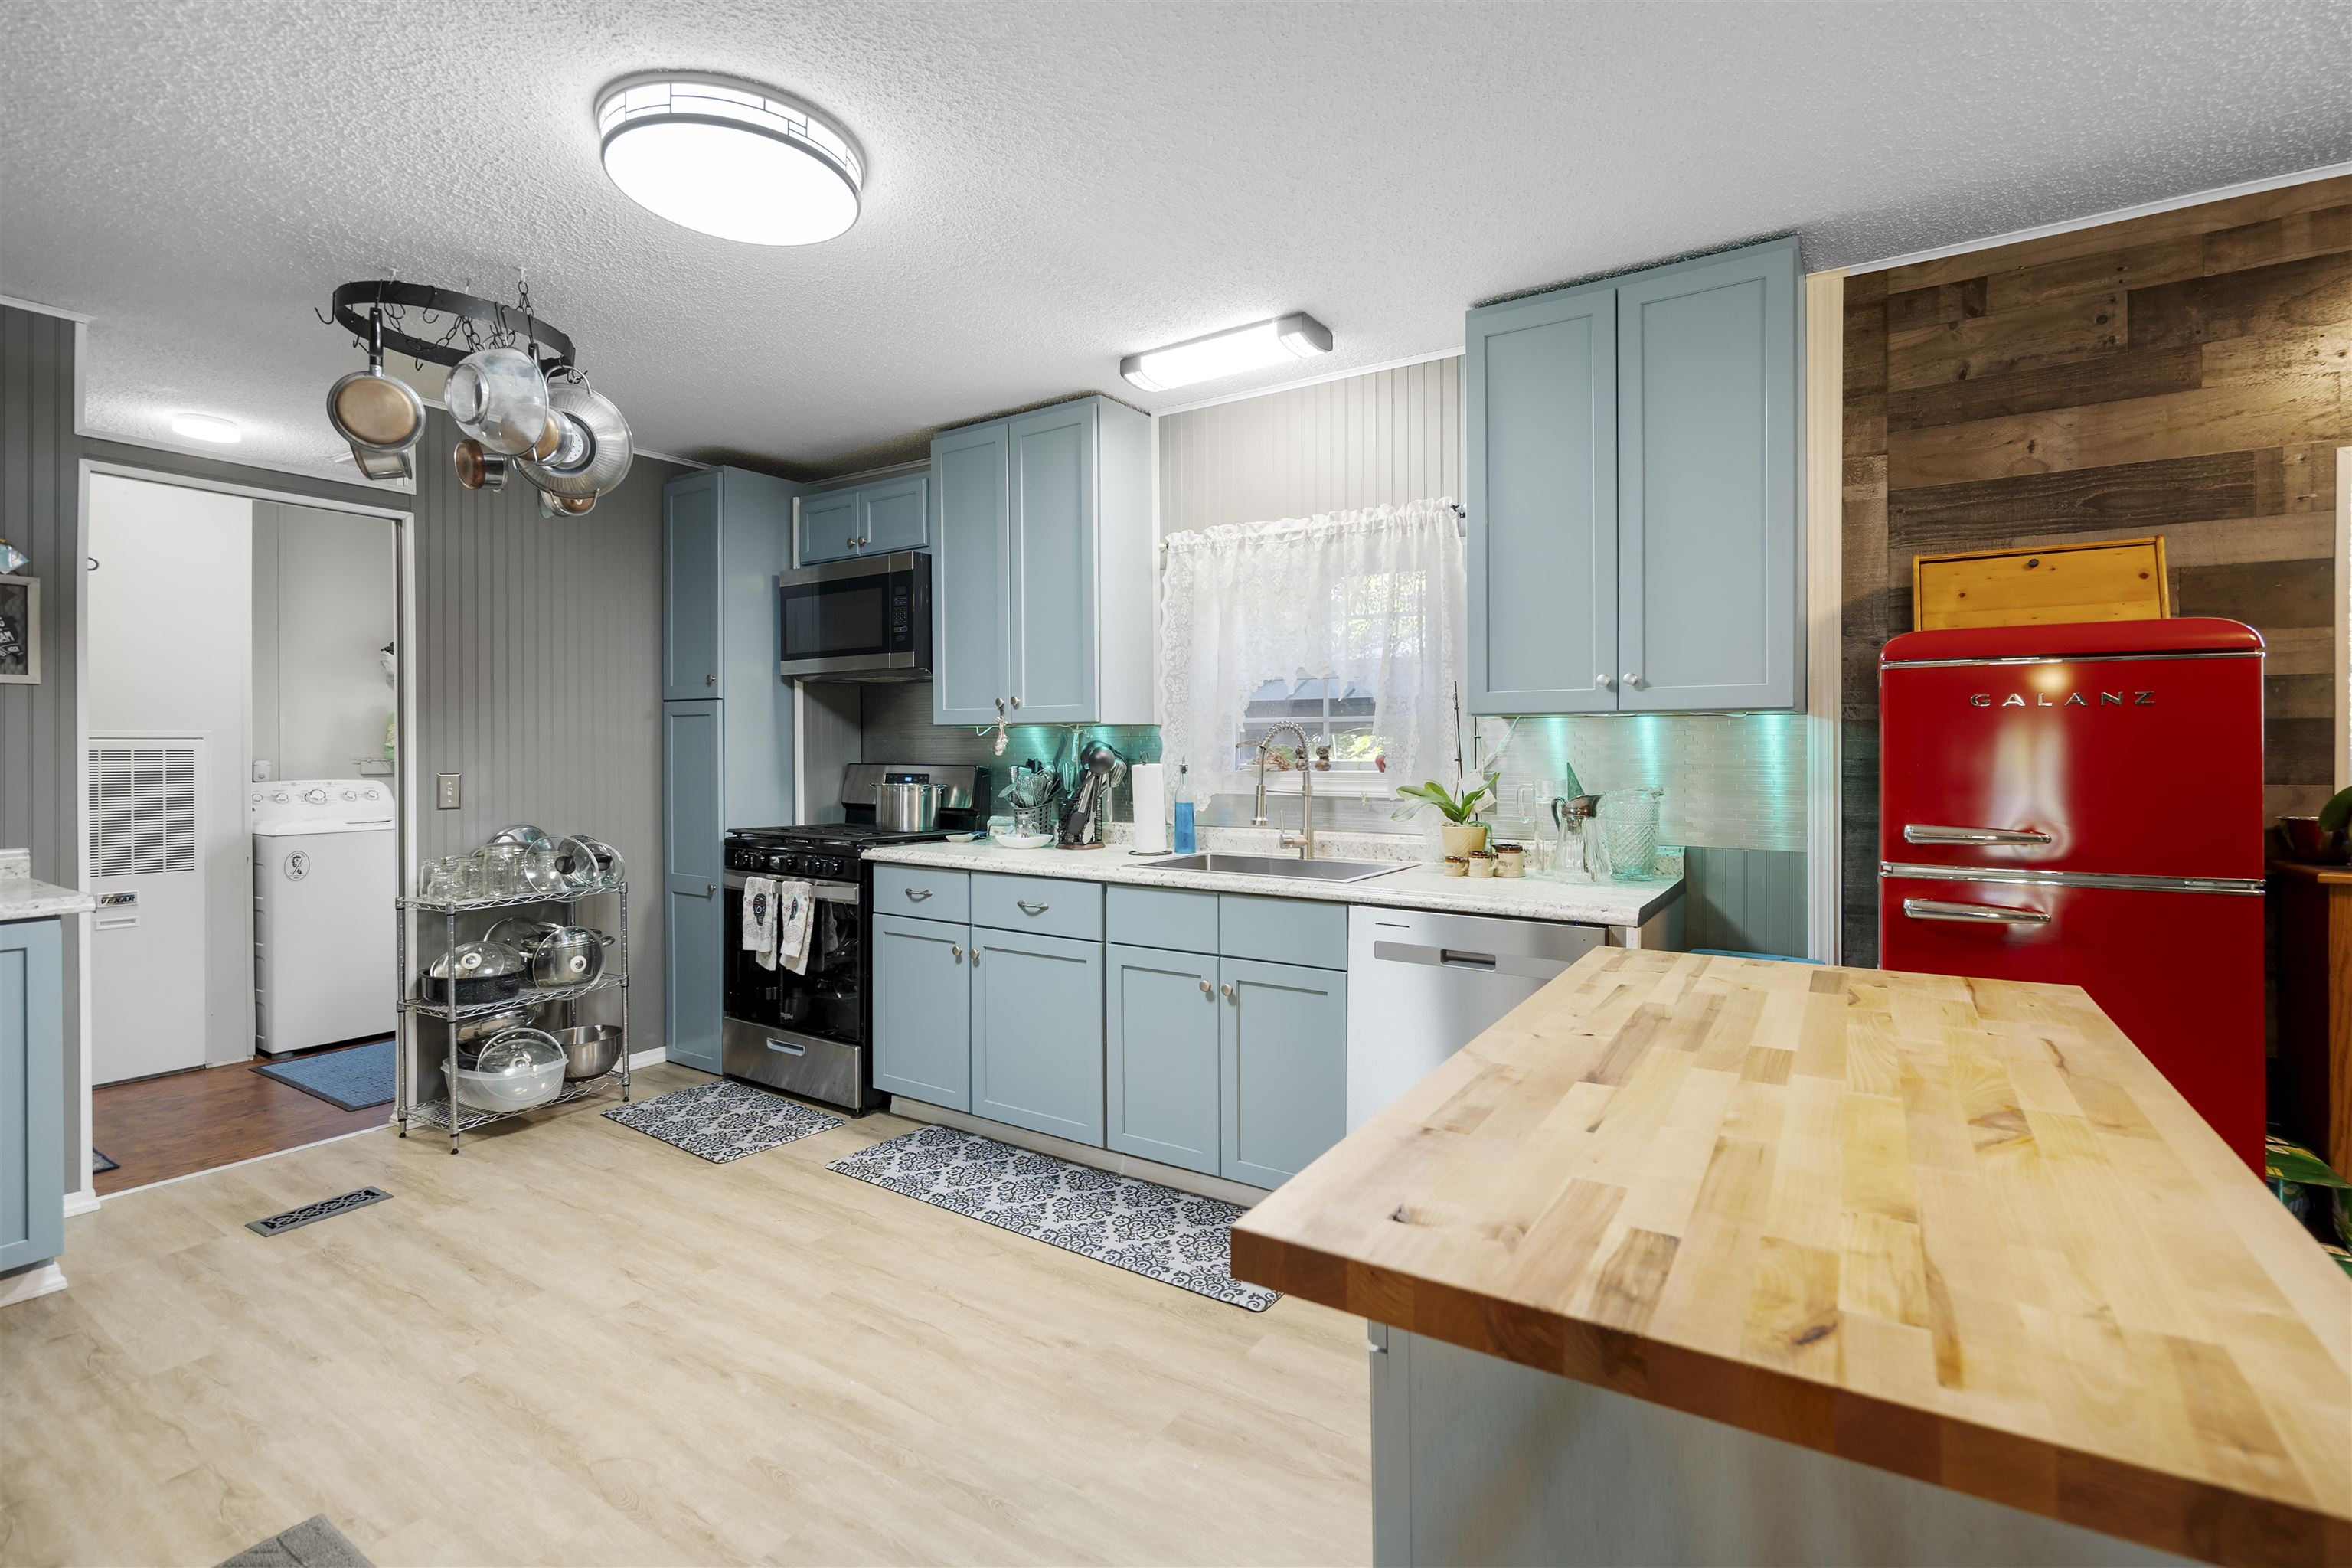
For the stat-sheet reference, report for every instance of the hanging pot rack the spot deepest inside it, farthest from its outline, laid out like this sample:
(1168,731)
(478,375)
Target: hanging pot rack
(474,323)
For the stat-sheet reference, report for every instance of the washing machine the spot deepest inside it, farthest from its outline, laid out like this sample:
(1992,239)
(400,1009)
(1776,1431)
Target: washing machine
(324,875)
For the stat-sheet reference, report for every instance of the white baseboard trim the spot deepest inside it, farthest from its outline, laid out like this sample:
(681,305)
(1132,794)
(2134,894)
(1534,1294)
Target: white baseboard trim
(83,1201)
(1110,1159)
(640,1060)
(38,1281)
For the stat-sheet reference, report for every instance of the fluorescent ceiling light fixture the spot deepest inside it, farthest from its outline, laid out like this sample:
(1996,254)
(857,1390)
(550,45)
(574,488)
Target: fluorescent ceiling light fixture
(206,428)
(1228,353)
(730,158)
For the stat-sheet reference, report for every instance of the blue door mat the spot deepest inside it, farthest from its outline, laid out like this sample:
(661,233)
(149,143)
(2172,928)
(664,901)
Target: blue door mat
(1176,1238)
(353,1078)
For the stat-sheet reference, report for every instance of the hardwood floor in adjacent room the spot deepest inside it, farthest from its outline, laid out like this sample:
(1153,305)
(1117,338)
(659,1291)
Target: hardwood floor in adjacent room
(574,1343)
(158,1128)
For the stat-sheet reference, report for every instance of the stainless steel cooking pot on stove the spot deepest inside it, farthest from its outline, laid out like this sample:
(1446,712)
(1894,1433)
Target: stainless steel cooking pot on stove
(907,808)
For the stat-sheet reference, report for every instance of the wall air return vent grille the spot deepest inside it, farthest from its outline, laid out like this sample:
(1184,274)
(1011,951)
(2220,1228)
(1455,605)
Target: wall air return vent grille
(143,809)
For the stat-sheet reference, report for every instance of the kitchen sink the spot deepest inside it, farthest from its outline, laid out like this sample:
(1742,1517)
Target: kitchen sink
(1272,866)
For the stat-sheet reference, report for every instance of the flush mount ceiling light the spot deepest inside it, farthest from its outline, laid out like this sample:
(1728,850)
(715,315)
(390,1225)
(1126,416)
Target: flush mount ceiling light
(730,158)
(1228,353)
(206,428)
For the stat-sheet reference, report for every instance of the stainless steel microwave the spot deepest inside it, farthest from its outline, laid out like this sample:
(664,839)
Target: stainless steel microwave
(866,618)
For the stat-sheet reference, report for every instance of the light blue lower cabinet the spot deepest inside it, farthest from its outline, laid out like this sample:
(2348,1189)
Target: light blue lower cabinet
(1159,1058)
(32,1093)
(922,1010)
(1283,1067)
(1037,1032)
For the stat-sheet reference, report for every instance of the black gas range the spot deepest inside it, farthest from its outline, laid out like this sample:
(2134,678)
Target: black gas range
(807,1033)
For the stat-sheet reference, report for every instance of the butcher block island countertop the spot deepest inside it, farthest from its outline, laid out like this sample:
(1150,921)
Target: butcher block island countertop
(1957,1229)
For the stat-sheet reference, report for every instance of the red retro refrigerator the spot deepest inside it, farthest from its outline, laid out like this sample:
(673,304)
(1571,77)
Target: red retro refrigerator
(2084,804)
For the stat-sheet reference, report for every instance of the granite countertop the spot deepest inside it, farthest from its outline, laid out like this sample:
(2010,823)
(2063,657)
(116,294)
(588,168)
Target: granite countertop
(1959,1229)
(1420,886)
(23,898)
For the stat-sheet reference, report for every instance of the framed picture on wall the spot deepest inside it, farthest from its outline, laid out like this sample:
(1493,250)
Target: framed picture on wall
(20,631)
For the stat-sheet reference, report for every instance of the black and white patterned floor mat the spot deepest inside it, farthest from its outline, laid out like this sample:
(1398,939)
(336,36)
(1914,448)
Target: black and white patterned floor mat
(1176,1238)
(723,1122)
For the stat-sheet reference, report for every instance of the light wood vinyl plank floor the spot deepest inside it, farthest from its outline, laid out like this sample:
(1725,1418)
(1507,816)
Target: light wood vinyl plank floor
(575,1345)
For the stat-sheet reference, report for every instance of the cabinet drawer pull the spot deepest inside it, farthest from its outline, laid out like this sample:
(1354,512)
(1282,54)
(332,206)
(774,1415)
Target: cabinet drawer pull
(1028,908)
(955,952)
(1921,833)
(917,894)
(1229,991)
(1987,914)
(1207,989)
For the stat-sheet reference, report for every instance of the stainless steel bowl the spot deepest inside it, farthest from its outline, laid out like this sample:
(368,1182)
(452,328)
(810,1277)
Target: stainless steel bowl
(592,1050)
(595,447)
(470,1030)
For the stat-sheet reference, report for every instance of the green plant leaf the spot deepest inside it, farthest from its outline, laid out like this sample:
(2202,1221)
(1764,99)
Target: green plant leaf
(2336,814)
(2294,1162)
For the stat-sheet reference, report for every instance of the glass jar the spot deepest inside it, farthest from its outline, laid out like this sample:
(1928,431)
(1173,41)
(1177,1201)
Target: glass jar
(1629,819)
(498,866)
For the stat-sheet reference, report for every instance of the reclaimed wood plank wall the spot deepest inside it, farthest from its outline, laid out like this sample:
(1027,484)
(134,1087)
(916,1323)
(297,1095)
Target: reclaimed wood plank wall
(2184,374)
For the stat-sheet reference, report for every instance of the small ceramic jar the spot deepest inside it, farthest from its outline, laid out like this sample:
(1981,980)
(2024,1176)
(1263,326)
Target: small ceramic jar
(1510,860)
(1457,866)
(1482,862)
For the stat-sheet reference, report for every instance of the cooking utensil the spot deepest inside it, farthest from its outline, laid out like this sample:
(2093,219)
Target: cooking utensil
(590,1050)
(540,870)
(516,1070)
(1104,770)
(492,1025)
(486,971)
(379,415)
(577,863)
(593,449)
(610,872)
(500,398)
(521,832)
(906,808)
(568,955)
(2307,840)
(477,469)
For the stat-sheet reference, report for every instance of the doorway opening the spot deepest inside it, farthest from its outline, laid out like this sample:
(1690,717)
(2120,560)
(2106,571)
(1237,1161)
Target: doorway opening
(242,822)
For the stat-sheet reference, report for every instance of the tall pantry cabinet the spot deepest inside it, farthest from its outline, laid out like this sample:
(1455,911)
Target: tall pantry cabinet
(727,722)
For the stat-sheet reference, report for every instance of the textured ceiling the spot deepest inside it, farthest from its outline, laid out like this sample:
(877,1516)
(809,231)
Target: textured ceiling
(1053,185)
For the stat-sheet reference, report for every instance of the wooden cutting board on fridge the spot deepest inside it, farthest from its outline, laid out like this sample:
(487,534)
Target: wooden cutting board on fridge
(2113,580)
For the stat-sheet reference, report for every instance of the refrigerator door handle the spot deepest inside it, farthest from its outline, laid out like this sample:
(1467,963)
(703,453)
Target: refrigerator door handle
(1918,833)
(1989,914)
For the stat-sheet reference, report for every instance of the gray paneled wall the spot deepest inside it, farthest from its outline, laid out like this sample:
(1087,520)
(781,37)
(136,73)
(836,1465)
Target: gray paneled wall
(538,671)
(39,486)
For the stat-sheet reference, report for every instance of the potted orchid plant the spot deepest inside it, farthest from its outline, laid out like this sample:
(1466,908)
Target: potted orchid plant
(1463,834)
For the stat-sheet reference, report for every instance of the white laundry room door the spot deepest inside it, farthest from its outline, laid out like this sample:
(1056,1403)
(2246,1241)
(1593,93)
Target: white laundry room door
(147,939)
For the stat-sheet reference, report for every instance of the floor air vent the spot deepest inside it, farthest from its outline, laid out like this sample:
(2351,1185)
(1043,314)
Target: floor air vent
(325,1209)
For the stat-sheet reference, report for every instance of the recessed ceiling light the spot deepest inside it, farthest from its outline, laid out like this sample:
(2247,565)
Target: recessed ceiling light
(1228,353)
(730,158)
(206,428)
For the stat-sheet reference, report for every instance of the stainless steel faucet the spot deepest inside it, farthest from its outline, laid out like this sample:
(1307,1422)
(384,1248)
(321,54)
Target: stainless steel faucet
(1304,840)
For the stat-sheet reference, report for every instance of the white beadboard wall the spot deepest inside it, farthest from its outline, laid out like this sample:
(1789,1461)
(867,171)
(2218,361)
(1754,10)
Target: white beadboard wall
(539,679)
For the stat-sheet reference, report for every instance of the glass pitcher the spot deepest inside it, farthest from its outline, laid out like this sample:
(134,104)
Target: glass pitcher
(1628,820)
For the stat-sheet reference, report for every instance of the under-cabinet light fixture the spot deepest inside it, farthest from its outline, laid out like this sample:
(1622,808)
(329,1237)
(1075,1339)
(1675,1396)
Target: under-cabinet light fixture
(208,427)
(1228,353)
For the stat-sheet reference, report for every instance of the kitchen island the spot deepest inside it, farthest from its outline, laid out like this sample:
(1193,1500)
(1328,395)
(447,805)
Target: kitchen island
(1695,1259)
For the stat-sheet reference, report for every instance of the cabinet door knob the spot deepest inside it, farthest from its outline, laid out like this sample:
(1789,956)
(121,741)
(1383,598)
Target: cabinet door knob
(850,543)
(1229,990)
(975,955)
(1632,679)
(709,681)
(955,950)
(1207,989)
(709,887)
(1016,702)
(1602,680)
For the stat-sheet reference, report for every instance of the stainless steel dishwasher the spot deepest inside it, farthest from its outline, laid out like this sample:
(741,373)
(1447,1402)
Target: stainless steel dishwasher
(1421,986)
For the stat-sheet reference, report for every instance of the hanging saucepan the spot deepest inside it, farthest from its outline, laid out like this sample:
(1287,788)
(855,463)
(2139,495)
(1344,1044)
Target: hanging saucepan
(568,955)
(477,468)
(498,397)
(379,415)
(591,454)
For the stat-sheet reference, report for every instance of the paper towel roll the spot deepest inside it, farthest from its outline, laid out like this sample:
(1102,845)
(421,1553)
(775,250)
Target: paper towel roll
(1149,782)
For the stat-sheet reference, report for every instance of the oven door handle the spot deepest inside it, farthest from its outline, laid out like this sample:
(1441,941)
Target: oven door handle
(1972,914)
(824,892)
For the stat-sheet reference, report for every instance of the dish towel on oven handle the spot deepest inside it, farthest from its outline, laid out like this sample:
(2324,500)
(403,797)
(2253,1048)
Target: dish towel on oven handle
(796,921)
(760,920)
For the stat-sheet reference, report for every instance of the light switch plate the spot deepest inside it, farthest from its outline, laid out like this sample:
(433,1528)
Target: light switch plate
(446,795)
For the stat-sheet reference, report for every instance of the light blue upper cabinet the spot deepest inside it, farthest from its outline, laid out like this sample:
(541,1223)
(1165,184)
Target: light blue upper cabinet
(894,514)
(1037,1033)
(1541,472)
(1707,505)
(972,656)
(1632,469)
(694,879)
(1053,565)
(1044,602)
(828,526)
(691,666)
